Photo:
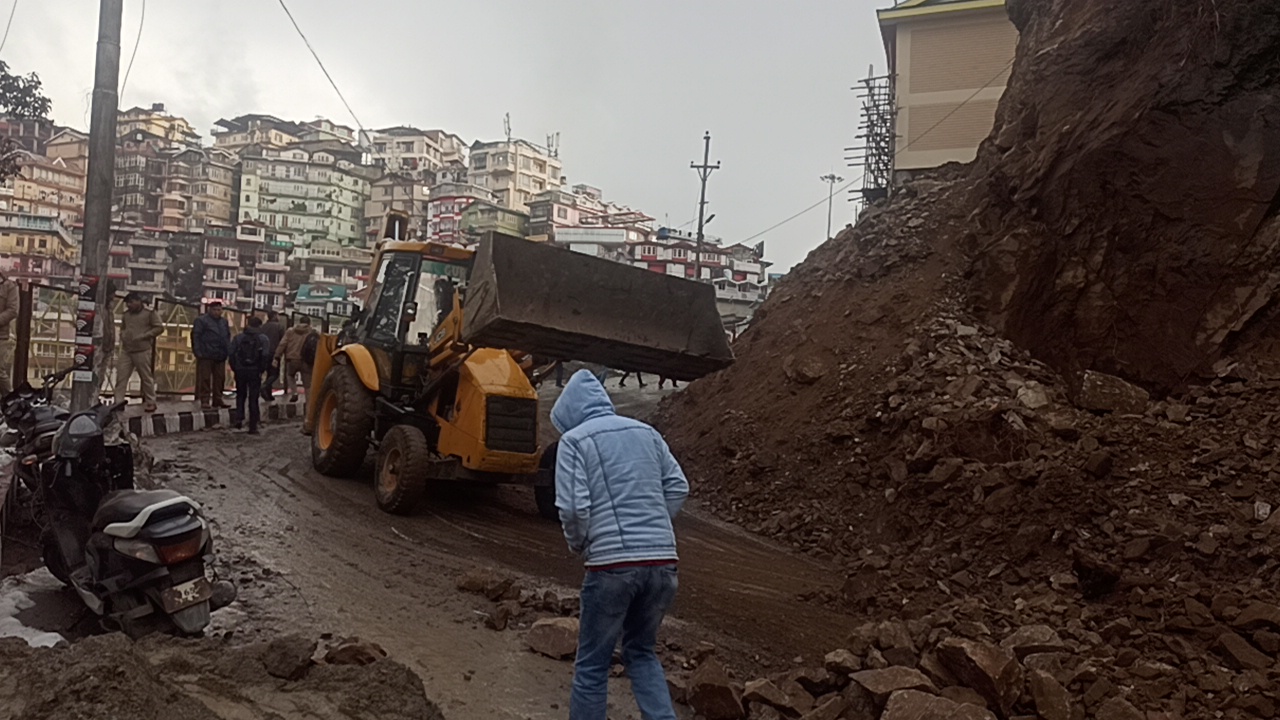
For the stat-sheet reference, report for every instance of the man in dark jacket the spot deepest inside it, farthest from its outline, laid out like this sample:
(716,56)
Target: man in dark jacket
(250,357)
(274,331)
(211,344)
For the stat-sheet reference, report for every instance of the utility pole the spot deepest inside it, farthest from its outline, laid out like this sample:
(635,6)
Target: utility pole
(101,181)
(704,172)
(830,179)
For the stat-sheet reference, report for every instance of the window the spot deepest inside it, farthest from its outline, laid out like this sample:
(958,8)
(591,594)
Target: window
(479,162)
(406,147)
(562,213)
(394,278)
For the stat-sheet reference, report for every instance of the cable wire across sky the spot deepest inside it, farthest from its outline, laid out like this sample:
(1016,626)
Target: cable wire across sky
(325,71)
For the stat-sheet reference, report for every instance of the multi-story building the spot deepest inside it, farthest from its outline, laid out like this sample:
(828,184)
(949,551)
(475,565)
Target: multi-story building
(483,217)
(245,265)
(172,187)
(71,146)
(266,131)
(329,263)
(401,193)
(950,60)
(38,248)
(47,187)
(322,300)
(148,263)
(315,192)
(155,121)
(738,272)
(322,130)
(406,151)
(514,171)
(28,134)
(580,206)
(453,149)
(447,202)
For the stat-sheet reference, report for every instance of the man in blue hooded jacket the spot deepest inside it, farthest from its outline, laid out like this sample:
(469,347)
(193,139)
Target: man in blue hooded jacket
(617,488)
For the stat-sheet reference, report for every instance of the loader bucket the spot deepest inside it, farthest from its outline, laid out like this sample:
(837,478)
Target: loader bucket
(561,304)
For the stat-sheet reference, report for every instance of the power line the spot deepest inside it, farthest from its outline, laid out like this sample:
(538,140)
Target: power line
(8,25)
(324,70)
(896,153)
(137,41)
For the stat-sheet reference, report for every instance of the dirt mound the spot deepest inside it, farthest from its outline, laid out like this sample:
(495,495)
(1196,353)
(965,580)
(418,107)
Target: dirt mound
(158,678)
(912,401)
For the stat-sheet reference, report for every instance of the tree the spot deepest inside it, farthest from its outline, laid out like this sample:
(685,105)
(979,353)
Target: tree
(21,98)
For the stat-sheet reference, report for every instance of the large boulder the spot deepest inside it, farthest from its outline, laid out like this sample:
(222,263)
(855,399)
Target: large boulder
(712,694)
(993,671)
(916,705)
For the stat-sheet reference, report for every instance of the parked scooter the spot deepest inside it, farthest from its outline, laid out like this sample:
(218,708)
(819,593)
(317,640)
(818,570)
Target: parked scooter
(137,558)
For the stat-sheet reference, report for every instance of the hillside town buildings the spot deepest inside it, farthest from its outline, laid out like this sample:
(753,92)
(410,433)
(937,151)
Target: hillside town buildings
(284,215)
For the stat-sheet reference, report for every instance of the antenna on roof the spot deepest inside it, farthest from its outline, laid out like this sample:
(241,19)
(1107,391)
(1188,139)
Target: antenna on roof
(506,125)
(553,145)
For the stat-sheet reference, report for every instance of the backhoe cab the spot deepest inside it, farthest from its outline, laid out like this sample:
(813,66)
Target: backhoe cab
(434,372)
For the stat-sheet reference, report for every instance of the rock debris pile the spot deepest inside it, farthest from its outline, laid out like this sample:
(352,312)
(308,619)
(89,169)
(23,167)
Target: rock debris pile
(1026,398)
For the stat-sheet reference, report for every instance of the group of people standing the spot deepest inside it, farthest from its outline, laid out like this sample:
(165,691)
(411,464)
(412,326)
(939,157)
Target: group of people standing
(264,353)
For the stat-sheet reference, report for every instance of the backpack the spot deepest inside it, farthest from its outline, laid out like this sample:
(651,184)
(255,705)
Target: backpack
(309,348)
(249,352)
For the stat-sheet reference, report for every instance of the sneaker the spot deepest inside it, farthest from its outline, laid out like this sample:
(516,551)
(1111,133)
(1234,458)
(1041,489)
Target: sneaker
(149,407)
(205,405)
(293,398)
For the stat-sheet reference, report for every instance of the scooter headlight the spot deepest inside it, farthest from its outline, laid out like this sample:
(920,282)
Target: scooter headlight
(138,550)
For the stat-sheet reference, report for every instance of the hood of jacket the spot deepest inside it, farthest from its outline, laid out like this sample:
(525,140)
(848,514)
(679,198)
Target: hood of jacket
(252,331)
(583,399)
(300,329)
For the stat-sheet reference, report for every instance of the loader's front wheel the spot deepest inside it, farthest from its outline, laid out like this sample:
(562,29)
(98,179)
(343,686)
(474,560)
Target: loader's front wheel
(404,459)
(344,423)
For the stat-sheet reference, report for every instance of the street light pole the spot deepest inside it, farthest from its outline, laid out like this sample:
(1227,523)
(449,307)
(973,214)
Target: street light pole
(704,172)
(100,183)
(830,179)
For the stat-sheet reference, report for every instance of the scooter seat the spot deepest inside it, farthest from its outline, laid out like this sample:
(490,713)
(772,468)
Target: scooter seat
(125,506)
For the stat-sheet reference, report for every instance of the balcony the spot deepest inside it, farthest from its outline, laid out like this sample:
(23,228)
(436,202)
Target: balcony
(144,241)
(223,284)
(145,287)
(149,264)
(226,261)
(745,267)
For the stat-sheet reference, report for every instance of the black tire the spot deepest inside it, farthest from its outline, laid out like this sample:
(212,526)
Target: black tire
(545,495)
(344,422)
(404,459)
(53,558)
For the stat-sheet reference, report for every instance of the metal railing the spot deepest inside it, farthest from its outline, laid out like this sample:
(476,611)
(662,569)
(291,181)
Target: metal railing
(45,339)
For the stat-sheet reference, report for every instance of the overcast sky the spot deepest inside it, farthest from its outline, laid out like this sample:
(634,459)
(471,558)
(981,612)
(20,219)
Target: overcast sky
(630,85)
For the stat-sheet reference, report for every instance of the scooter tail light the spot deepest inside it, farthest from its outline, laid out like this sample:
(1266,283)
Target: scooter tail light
(138,550)
(186,547)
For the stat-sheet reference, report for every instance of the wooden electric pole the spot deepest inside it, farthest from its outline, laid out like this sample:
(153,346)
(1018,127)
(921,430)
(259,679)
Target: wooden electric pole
(96,242)
(704,172)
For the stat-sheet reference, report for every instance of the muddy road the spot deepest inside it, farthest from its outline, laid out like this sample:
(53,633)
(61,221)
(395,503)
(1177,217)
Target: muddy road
(314,554)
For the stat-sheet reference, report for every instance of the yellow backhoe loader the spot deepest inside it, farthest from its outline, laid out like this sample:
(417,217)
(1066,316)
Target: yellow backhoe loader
(435,372)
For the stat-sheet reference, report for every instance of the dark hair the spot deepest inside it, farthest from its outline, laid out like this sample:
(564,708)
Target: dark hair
(255,321)
(273,315)
(304,320)
(133,297)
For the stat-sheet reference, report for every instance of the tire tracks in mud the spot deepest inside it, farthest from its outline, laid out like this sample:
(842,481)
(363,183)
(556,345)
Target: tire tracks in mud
(329,533)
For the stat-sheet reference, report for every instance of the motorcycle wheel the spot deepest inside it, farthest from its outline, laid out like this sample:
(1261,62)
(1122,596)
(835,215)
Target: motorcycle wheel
(53,558)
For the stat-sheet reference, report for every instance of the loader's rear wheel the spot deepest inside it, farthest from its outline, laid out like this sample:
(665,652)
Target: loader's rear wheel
(344,423)
(404,459)
(545,495)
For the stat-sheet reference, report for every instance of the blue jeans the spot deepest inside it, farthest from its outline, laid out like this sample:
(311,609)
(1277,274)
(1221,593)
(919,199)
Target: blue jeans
(627,603)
